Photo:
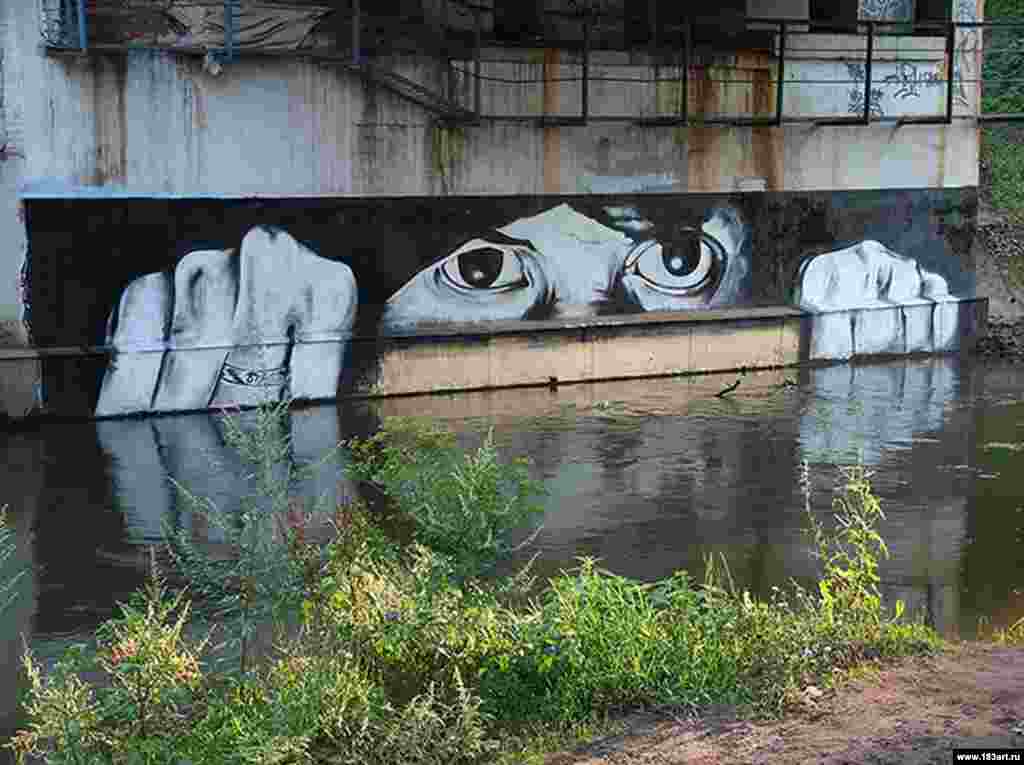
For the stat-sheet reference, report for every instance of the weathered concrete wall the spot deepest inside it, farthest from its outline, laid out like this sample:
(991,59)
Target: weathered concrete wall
(207,302)
(649,346)
(151,124)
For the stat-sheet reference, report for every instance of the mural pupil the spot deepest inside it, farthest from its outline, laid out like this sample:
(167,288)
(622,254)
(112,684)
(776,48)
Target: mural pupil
(681,258)
(481,268)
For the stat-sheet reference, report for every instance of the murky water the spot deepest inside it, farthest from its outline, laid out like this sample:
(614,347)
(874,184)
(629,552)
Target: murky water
(650,476)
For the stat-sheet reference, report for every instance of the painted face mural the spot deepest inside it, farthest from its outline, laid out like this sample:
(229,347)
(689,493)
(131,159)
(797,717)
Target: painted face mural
(202,306)
(563,263)
(230,327)
(845,288)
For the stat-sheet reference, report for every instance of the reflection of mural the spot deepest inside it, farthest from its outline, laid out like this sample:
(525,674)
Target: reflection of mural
(230,329)
(907,400)
(561,262)
(193,451)
(187,324)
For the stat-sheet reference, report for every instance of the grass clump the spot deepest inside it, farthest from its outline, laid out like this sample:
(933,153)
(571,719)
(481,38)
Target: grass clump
(460,504)
(1003,162)
(397,647)
(1001,152)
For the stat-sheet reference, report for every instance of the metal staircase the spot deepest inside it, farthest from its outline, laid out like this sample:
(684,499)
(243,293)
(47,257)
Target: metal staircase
(414,92)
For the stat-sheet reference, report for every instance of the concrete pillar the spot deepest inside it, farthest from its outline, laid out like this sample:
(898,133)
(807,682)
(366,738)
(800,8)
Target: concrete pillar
(19,373)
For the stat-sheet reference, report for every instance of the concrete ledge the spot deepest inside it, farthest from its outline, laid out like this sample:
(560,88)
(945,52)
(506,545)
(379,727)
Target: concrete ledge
(512,354)
(922,327)
(490,355)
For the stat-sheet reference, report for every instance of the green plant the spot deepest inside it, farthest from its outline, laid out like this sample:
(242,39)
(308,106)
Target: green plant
(460,504)
(1004,161)
(1004,52)
(849,586)
(150,677)
(259,576)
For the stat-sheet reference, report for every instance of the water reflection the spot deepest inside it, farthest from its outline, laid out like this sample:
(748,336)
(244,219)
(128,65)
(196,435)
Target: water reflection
(149,459)
(867,411)
(649,476)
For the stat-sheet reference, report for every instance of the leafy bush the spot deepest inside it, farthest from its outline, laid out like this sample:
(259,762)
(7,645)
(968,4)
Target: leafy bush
(142,696)
(1001,151)
(258,577)
(1004,54)
(460,504)
(150,675)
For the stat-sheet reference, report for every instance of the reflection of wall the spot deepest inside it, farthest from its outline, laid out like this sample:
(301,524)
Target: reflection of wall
(146,454)
(651,478)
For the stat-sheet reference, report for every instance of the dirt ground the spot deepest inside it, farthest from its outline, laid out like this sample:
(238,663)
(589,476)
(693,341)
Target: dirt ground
(914,712)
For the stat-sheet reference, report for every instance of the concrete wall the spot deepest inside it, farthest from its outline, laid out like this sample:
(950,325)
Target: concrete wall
(149,124)
(207,303)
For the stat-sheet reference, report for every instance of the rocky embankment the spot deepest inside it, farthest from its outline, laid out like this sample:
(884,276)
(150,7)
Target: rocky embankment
(1005,340)
(999,262)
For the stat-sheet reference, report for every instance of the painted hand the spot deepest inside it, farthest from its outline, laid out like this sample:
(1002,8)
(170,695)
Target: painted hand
(231,328)
(872,300)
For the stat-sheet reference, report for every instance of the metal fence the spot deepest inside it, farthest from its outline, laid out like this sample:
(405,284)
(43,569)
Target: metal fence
(929,73)
(755,71)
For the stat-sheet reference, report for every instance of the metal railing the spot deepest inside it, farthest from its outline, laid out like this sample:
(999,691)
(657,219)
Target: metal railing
(957,65)
(890,68)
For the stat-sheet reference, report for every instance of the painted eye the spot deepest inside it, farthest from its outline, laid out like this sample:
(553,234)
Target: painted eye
(690,264)
(480,265)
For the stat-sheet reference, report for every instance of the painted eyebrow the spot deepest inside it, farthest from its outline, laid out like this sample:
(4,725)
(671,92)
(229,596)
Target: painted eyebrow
(490,236)
(493,236)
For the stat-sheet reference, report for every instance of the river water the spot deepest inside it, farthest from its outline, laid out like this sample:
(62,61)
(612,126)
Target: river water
(649,476)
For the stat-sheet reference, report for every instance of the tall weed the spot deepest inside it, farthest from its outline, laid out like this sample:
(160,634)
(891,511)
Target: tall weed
(460,504)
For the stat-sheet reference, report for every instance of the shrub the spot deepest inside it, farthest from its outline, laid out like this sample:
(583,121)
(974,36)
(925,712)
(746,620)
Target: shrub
(460,504)
(149,676)
(260,577)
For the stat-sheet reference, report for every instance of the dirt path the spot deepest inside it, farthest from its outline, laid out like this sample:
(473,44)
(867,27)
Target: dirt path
(914,712)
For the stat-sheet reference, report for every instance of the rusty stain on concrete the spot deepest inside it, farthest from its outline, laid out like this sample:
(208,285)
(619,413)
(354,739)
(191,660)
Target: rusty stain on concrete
(744,87)
(109,83)
(552,135)
(766,142)
(702,173)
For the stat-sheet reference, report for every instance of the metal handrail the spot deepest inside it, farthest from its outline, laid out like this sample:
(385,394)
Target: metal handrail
(676,42)
(869,29)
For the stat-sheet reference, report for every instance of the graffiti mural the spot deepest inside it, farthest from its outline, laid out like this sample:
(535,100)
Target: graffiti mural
(211,303)
(230,328)
(844,287)
(967,54)
(562,263)
(887,10)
